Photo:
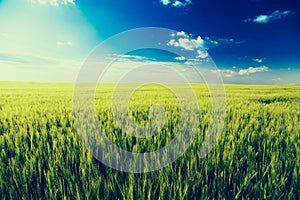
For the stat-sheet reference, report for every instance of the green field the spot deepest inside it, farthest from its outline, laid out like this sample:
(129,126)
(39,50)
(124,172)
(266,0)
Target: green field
(257,155)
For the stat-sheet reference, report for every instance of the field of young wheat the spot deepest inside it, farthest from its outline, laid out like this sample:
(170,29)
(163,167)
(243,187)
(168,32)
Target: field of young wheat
(256,156)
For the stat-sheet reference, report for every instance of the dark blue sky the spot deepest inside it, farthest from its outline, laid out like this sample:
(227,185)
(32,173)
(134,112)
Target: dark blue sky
(276,41)
(251,41)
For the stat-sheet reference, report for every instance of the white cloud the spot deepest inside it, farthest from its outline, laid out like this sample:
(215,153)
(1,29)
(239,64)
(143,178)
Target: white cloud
(181,3)
(252,70)
(201,54)
(197,45)
(60,44)
(226,40)
(172,42)
(226,72)
(165,2)
(258,60)
(181,33)
(211,42)
(181,58)
(262,19)
(55,3)
(126,57)
(176,3)
(185,41)
(232,72)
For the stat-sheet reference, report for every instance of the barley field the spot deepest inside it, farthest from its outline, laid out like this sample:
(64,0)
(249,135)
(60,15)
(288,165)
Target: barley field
(256,156)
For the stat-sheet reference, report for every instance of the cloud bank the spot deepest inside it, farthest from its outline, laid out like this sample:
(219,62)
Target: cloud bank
(55,3)
(187,42)
(259,60)
(263,19)
(251,70)
(176,3)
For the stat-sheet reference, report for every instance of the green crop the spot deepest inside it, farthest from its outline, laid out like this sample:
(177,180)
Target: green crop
(256,157)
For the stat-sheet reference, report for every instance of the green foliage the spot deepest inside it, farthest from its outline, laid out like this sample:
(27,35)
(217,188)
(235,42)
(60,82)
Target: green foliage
(257,156)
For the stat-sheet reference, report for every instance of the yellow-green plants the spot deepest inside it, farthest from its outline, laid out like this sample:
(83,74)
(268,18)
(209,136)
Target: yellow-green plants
(257,156)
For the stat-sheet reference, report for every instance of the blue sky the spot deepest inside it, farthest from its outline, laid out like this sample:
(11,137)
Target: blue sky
(250,41)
